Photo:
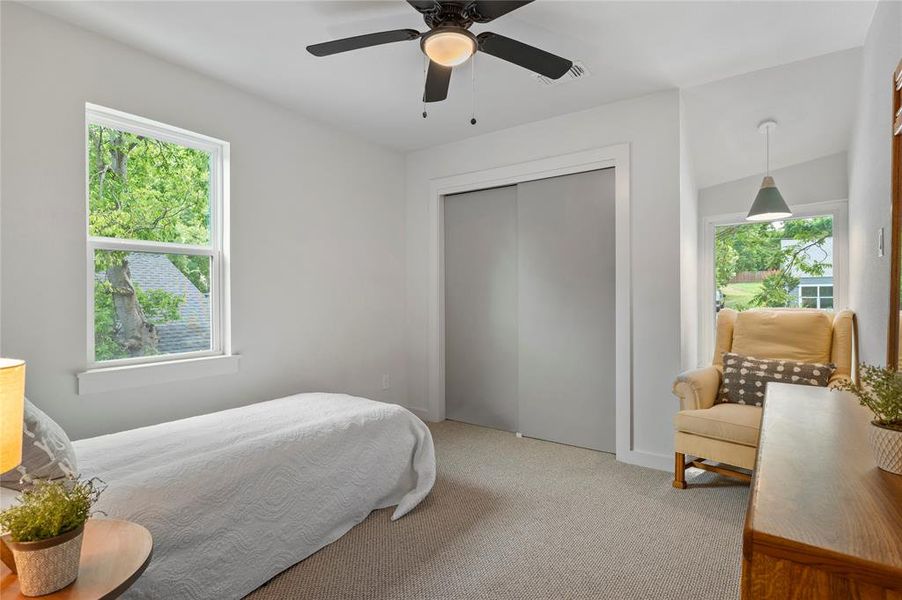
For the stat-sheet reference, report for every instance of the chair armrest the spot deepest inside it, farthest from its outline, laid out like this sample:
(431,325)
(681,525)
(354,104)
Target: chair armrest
(836,379)
(698,388)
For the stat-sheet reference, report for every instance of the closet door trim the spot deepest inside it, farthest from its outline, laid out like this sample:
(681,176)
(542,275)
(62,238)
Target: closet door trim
(616,156)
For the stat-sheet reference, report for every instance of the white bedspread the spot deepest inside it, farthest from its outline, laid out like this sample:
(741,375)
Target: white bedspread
(234,497)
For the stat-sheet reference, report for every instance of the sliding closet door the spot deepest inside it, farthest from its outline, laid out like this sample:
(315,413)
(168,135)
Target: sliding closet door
(481,308)
(566,309)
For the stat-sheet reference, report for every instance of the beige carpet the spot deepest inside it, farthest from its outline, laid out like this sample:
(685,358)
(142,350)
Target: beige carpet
(522,519)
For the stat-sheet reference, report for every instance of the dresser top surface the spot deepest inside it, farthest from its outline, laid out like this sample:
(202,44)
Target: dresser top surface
(816,488)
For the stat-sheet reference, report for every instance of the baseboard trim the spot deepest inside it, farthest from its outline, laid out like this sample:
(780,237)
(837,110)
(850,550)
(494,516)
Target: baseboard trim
(661,462)
(422,413)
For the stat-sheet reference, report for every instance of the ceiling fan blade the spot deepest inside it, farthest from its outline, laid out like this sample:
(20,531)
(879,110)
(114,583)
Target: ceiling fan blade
(529,57)
(424,6)
(483,11)
(362,41)
(437,80)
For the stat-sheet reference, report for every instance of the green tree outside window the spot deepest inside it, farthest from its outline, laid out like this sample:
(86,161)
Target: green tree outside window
(140,188)
(760,247)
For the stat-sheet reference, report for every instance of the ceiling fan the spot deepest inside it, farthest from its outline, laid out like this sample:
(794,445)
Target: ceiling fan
(449,43)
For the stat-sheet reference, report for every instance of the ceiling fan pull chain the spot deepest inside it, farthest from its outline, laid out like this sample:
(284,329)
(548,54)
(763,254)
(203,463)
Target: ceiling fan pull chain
(425,75)
(473,82)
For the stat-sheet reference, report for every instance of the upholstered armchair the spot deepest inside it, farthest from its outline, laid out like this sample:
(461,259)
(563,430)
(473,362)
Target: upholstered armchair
(727,433)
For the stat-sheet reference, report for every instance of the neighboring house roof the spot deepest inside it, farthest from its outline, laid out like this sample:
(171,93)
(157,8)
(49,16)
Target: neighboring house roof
(192,331)
(821,254)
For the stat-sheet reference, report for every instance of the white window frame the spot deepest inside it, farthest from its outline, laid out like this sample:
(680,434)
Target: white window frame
(217,250)
(838,209)
(819,297)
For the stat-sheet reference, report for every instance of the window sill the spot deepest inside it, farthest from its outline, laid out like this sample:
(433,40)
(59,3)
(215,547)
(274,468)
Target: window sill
(108,379)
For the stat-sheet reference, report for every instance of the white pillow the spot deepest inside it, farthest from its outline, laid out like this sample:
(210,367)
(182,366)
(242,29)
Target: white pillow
(47,452)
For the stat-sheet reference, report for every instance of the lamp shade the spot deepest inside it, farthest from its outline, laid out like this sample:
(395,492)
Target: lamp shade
(12,412)
(769,204)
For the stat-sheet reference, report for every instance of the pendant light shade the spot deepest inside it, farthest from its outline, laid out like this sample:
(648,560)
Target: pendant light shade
(769,204)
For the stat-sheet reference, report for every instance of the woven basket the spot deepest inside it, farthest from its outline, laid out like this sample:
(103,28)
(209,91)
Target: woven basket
(886,444)
(46,566)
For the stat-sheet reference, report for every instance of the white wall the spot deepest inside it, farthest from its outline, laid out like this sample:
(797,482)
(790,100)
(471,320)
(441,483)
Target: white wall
(651,126)
(814,113)
(817,180)
(689,228)
(317,232)
(869,181)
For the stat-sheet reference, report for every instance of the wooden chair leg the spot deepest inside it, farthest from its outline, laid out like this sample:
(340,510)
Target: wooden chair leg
(679,471)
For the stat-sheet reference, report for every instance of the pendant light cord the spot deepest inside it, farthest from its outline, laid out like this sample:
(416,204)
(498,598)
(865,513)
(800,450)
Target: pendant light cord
(767,151)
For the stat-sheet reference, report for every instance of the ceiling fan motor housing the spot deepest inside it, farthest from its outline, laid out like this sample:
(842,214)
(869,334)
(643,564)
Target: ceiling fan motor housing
(451,13)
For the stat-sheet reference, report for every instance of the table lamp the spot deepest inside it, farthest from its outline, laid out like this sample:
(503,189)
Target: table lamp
(12,409)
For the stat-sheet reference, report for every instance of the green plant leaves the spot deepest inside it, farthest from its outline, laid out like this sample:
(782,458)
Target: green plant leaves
(49,509)
(881,391)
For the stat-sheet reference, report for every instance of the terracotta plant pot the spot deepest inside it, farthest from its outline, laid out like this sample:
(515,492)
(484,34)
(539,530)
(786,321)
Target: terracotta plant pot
(46,566)
(886,445)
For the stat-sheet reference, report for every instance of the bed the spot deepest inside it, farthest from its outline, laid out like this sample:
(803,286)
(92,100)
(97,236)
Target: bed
(234,497)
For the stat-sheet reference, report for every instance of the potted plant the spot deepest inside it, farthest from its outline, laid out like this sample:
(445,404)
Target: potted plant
(881,391)
(44,532)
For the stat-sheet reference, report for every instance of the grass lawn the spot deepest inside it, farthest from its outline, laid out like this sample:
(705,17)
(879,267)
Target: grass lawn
(739,294)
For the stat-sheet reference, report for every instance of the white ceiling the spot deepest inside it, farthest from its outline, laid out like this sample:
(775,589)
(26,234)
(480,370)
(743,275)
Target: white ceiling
(813,102)
(630,48)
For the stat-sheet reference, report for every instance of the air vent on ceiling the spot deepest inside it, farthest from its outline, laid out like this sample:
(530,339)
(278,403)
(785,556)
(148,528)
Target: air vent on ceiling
(577,71)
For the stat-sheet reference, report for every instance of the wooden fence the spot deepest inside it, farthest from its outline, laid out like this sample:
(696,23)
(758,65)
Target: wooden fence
(751,276)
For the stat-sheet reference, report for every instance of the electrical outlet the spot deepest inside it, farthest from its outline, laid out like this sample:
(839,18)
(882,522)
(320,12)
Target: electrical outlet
(386,381)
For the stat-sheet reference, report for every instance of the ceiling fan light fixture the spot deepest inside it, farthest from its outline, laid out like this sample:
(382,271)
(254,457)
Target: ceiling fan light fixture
(449,46)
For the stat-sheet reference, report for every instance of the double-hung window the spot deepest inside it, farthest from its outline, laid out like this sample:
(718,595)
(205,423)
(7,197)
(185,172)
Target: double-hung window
(156,218)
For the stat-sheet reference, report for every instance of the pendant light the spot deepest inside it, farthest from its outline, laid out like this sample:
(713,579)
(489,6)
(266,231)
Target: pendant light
(769,204)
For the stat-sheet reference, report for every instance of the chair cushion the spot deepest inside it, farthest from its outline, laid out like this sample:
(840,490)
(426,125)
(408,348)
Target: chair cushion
(802,335)
(736,423)
(745,378)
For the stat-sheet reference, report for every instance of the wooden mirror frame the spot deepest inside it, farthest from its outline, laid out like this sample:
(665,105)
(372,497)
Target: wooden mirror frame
(892,346)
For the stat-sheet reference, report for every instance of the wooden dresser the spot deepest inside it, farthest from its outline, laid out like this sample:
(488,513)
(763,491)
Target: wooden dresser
(823,521)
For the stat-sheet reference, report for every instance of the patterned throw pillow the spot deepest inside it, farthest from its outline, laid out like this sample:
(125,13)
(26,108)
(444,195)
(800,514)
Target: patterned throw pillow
(47,452)
(745,378)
